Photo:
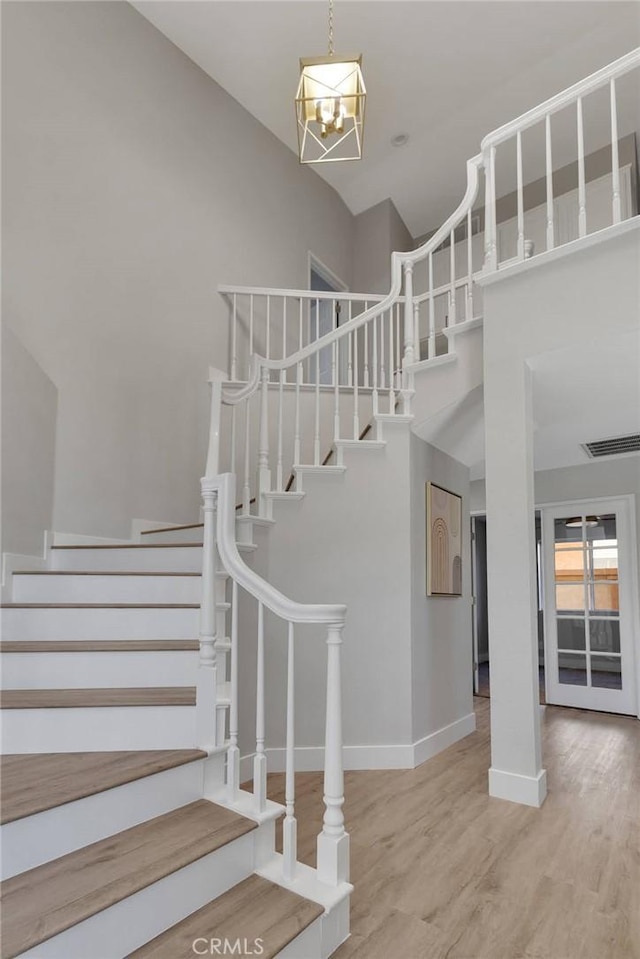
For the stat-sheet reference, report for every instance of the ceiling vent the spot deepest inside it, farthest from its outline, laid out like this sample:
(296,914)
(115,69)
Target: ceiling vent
(614,446)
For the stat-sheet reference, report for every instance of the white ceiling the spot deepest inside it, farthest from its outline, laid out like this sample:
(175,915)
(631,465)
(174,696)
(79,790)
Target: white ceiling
(445,72)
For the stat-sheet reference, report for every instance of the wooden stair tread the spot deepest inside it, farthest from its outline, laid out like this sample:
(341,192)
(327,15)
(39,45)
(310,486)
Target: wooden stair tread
(171,529)
(98,645)
(100,606)
(69,698)
(44,901)
(95,572)
(254,909)
(33,782)
(131,546)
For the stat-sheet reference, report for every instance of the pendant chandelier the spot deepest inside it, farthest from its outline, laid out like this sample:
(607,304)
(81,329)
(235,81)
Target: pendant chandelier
(330,106)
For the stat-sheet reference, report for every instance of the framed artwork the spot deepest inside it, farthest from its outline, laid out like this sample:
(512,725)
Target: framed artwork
(444,542)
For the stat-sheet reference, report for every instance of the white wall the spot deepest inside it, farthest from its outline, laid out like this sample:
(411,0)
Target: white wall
(29,402)
(133,185)
(441,648)
(379,231)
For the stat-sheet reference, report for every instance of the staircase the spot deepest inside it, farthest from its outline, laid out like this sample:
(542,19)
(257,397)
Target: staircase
(124,826)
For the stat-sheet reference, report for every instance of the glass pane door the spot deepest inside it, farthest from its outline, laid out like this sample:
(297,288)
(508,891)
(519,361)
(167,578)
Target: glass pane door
(588,634)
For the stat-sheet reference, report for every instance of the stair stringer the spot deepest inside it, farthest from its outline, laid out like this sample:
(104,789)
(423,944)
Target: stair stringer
(446,380)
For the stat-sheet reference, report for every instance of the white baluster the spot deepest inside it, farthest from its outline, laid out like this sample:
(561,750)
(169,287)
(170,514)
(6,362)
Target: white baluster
(336,392)
(250,334)
(615,161)
(349,354)
(520,197)
(383,371)
(469,299)
(490,237)
(432,312)
(206,684)
(264,473)
(416,331)
(409,343)
(549,176)
(290,826)
(268,334)
(280,431)
(356,417)
(316,428)
(333,841)
(296,428)
(374,336)
(582,188)
(260,758)
(392,361)
(246,488)
(365,381)
(232,453)
(233,753)
(398,361)
(234,338)
(452,274)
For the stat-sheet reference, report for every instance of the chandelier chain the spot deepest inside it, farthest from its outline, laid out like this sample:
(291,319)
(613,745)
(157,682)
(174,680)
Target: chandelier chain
(330,28)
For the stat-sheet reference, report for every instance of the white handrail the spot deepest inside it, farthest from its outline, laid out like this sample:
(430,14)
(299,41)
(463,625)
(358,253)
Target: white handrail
(398,261)
(598,79)
(227,290)
(287,609)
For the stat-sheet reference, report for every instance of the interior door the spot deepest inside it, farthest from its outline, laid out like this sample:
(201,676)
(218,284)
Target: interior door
(589,606)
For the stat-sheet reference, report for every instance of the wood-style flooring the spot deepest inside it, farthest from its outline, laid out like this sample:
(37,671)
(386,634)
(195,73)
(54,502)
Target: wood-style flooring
(443,871)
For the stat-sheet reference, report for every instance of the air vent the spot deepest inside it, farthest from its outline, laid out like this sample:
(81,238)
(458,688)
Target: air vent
(614,446)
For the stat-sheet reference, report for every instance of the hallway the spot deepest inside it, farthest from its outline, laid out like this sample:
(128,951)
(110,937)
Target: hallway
(442,870)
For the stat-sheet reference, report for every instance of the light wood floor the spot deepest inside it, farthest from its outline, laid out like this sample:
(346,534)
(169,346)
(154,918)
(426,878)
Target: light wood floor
(442,871)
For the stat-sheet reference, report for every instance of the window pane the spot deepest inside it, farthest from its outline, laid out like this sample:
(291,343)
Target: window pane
(572,634)
(567,537)
(570,598)
(569,564)
(604,530)
(604,598)
(604,635)
(572,669)
(606,672)
(603,563)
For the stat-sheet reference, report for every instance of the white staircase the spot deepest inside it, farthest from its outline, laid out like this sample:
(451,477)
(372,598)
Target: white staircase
(124,827)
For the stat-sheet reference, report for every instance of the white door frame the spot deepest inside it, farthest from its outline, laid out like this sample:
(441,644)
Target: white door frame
(624,506)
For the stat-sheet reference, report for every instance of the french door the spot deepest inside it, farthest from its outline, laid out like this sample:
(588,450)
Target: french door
(590,606)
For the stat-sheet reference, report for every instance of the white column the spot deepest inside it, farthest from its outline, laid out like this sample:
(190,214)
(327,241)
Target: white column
(516,766)
(206,684)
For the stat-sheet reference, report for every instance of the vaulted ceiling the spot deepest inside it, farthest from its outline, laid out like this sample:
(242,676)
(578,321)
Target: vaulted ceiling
(446,73)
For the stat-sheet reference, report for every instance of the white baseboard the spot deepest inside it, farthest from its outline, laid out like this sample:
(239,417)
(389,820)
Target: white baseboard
(408,756)
(528,790)
(434,743)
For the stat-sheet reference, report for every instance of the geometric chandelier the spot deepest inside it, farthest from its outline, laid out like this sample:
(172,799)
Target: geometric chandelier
(330,105)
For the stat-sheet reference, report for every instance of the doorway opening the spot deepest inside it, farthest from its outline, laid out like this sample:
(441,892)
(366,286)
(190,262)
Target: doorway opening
(324,317)
(480,612)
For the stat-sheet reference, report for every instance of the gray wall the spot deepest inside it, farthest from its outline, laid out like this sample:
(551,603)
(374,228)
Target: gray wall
(378,232)
(29,402)
(441,654)
(133,185)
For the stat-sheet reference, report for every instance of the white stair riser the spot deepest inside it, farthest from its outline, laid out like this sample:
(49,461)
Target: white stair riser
(106,589)
(96,728)
(174,536)
(179,559)
(36,839)
(129,924)
(92,670)
(308,945)
(101,623)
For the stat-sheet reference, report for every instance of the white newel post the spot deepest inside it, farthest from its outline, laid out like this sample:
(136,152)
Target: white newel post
(333,841)
(264,473)
(206,686)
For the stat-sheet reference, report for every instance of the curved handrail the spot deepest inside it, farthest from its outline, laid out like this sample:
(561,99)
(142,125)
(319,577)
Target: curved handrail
(273,599)
(259,363)
(560,100)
